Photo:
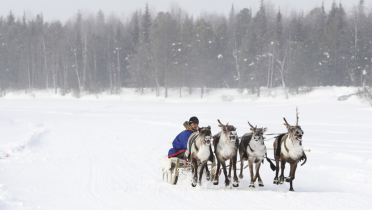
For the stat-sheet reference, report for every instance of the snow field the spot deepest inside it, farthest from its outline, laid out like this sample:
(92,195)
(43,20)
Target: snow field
(90,153)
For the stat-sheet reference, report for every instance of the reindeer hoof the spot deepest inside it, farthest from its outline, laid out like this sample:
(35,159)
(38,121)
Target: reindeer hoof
(252,186)
(227,184)
(208,176)
(281,180)
(275,181)
(240,176)
(235,184)
(260,184)
(215,183)
(291,190)
(193,185)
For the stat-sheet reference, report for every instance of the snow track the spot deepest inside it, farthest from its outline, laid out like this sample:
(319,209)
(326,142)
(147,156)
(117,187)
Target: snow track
(76,154)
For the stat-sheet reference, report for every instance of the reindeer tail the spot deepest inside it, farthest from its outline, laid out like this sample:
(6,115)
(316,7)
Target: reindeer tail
(272,166)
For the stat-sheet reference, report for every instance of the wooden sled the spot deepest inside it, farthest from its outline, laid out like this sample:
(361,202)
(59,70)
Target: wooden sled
(178,166)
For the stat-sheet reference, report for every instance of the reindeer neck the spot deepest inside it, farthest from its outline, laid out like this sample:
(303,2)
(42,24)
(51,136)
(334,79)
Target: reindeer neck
(291,148)
(225,136)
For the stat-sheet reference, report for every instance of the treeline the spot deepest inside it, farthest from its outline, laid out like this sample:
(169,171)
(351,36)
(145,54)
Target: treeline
(247,51)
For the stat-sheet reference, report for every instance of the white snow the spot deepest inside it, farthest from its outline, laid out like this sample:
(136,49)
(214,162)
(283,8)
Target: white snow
(102,151)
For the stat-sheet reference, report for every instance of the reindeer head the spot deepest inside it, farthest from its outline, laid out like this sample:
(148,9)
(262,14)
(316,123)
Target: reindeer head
(205,135)
(294,132)
(257,133)
(229,130)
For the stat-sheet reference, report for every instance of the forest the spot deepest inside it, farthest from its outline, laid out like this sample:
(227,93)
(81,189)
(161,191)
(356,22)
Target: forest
(95,53)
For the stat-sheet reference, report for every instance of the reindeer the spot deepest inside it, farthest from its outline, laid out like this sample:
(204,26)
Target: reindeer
(226,148)
(288,149)
(199,152)
(253,149)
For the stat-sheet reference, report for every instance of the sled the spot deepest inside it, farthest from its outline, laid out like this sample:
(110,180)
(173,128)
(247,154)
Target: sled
(178,167)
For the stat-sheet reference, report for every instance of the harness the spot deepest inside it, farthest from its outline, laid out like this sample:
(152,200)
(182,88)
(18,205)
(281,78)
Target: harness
(246,142)
(285,144)
(192,140)
(278,150)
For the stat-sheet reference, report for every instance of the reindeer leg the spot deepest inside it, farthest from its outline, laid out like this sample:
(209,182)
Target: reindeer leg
(236,180)
(282,166)
(229,176)
(241,166)
(289,178)
(202,171)
(292,174)
(276,171)
(227,181)
(213,168)
(195,178)
(216,177)
(294,171)
(207,172)
(250,163)
(260,183)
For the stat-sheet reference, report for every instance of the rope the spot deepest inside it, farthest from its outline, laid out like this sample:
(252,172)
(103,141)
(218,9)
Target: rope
(274,136)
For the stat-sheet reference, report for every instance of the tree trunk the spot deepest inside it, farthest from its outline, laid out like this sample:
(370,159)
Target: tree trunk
(64,75)
(77,74)
(110,71)
(85,61)
(54,74)
(119,70)
(46,67)
(356,47)
(28,71)
(95,70)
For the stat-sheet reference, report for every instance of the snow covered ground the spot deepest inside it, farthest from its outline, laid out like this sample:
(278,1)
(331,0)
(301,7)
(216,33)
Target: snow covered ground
(88,153)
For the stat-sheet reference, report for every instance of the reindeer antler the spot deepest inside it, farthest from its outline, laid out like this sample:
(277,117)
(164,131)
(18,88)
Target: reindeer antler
(297,116)
(254,128)
(286,123)
(224,127)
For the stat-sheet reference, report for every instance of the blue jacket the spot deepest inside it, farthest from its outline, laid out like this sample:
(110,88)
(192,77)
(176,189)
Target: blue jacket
(180,143)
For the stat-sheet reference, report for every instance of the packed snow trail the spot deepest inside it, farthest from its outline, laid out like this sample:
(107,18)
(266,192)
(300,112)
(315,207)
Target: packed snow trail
(103,154)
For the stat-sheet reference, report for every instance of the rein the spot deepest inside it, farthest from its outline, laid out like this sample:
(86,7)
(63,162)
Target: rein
(271,134)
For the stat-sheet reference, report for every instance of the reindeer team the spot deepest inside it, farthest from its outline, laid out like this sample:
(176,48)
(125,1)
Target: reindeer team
(287,149)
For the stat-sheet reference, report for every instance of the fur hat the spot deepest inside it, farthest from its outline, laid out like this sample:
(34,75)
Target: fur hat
(194,120)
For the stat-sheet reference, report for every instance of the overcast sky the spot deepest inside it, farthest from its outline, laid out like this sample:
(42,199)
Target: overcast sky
(65,9)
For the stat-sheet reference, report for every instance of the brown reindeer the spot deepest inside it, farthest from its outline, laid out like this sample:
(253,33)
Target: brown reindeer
(252,148)
(226,147)
(288,149)
(199,149)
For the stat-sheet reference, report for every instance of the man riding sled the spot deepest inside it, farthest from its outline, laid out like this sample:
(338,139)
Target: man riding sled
(180,142)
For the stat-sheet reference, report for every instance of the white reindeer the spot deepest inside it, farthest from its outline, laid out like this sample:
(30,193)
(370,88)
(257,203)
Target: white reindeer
(252,148)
